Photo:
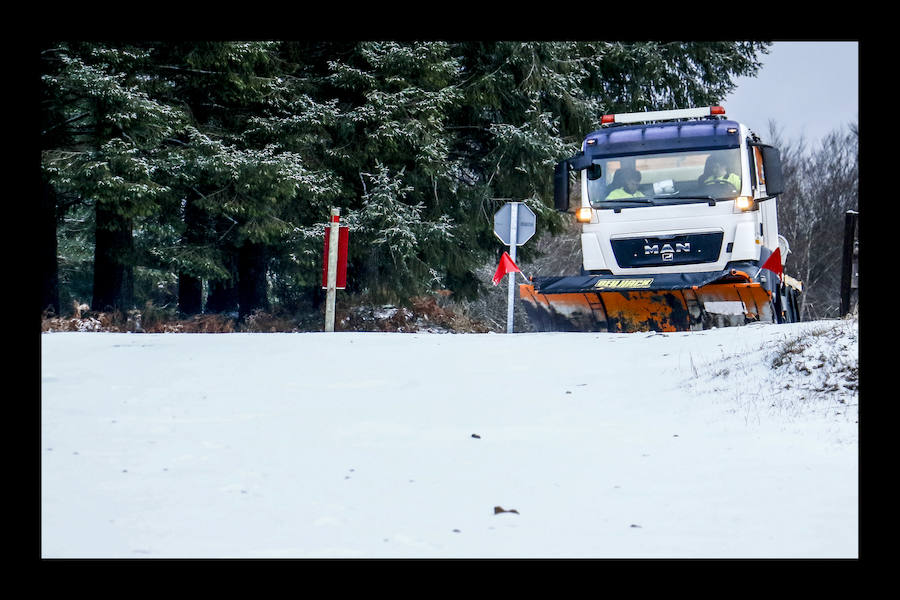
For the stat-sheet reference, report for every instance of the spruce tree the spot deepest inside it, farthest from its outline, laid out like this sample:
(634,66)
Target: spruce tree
(248,171)
(392,156)
(108,157)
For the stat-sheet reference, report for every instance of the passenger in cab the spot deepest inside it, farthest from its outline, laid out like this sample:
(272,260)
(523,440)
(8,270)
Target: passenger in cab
(625,185)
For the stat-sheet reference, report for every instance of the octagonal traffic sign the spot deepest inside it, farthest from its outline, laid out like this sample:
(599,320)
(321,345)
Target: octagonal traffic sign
(525,223)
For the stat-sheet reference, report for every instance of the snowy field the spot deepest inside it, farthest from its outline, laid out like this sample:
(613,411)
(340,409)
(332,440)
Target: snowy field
(726,443)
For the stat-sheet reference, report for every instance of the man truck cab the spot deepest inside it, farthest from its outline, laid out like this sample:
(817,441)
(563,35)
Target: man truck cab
(679,214)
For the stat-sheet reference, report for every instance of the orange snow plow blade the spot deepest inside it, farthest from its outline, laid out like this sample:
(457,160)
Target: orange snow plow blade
(605,306)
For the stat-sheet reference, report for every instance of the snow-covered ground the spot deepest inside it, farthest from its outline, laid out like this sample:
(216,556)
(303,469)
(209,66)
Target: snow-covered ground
(724,443)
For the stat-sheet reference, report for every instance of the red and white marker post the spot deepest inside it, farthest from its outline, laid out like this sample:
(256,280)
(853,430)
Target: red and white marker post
(334,271)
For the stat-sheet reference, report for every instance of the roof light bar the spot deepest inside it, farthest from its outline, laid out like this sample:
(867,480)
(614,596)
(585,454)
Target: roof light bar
(662,115)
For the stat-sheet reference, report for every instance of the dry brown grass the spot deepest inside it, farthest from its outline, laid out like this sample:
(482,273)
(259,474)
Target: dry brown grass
(151,319)
(446,317)
(264,322)
(84,319)
(424,314)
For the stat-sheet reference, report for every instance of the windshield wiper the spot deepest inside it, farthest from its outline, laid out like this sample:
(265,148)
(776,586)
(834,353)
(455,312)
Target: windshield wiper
(698,199)
(620,203)
(626,201)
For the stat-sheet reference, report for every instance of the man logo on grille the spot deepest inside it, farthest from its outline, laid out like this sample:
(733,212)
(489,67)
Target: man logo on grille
(667,248)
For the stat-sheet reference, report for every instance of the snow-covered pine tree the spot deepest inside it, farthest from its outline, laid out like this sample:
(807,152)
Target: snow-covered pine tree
(107,127)
(392,152)
(246,172)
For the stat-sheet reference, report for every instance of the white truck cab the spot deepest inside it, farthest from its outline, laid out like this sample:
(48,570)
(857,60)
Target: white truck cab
(698,198)
(679,231)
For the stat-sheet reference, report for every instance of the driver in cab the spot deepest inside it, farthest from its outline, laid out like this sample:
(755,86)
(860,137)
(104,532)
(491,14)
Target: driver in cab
(625,185)
(716,172)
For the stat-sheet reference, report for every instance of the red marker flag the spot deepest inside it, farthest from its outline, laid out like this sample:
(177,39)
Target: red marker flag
(506,266)
(773,263)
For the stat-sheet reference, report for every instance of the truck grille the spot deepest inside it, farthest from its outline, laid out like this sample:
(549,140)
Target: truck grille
(687,249)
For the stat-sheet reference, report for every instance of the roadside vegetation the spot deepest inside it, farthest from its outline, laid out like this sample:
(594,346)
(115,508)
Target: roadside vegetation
(812,369)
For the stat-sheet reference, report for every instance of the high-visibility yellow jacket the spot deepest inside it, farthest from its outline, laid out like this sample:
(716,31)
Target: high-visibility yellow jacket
(619,193)
(731,178)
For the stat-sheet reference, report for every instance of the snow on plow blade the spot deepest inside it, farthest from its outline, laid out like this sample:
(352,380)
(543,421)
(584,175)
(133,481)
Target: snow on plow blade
(680,302)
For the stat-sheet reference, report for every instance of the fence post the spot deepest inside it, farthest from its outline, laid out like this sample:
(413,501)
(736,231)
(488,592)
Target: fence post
(849,263)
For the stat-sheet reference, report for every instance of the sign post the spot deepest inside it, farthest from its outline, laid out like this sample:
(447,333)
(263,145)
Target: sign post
(511,294)
(514,224)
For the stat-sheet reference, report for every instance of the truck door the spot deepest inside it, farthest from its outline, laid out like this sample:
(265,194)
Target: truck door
(768,209)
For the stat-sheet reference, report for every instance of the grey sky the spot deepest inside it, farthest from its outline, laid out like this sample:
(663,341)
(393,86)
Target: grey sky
(808,88)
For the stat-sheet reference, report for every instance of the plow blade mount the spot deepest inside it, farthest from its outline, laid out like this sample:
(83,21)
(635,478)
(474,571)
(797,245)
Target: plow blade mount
(670,302)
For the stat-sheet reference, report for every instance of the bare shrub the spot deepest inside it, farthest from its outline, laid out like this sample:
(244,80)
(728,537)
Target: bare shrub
(266,322)
(428,309)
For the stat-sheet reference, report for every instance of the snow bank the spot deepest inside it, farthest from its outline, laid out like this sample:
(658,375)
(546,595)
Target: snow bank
(404,445)
(805,371)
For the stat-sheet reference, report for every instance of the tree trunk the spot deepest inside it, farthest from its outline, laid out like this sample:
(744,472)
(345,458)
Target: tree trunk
(190,288)
(190,295)
(49,268)
(113,255)
(223,295)
(252,285)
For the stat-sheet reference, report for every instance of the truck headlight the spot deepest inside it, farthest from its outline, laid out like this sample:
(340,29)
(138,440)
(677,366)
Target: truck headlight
(744,204)
(583,214)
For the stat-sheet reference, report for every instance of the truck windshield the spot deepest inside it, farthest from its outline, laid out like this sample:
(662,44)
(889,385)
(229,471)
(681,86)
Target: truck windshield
(705,174)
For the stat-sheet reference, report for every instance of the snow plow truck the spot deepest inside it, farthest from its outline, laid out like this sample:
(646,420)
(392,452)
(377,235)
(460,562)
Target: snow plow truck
(679,217)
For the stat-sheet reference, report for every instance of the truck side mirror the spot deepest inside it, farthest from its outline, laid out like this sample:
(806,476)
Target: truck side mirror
(772,169)
(561,186)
